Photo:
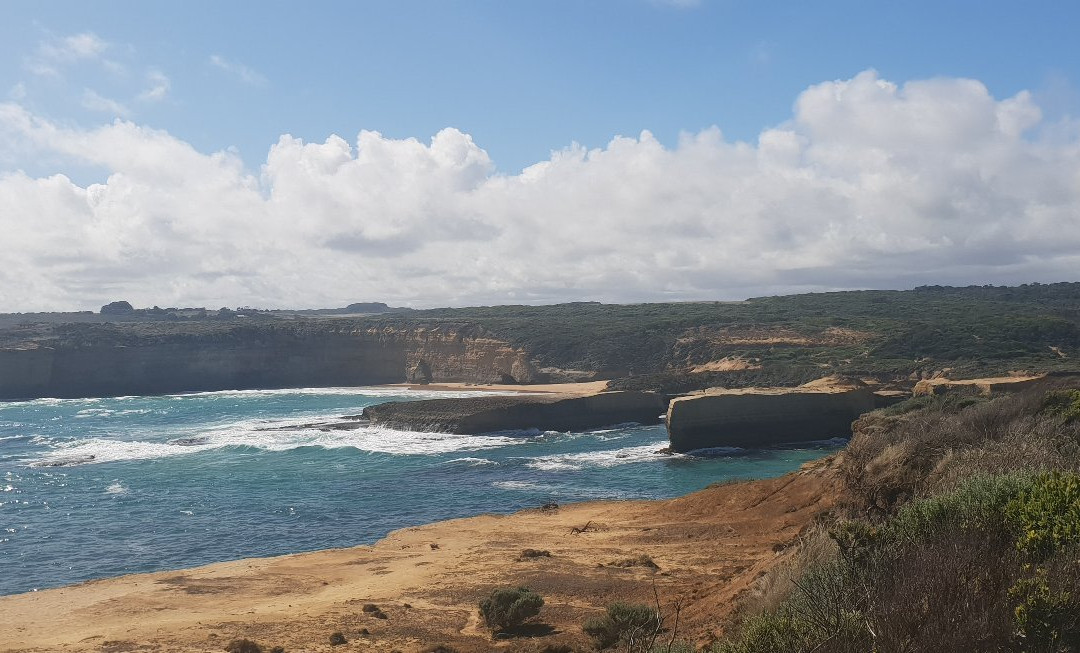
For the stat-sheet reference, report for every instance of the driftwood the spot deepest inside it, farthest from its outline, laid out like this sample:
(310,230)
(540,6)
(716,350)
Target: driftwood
(575,530)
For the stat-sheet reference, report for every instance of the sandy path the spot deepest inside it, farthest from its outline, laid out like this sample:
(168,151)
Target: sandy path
(709,546)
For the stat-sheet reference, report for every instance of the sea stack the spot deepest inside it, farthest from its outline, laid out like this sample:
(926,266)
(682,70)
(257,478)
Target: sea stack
(761,417)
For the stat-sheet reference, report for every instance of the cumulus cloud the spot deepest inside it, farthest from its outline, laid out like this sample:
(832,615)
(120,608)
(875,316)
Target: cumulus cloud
(238,70)
(869,184)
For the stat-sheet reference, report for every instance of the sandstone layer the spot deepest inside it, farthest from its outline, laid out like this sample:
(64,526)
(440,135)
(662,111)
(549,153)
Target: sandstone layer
(761,417)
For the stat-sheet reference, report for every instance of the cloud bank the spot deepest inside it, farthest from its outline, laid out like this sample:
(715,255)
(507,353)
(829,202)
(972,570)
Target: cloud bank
(869,184)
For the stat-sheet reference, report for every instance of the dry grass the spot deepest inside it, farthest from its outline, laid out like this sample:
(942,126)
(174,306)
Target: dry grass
(897,456)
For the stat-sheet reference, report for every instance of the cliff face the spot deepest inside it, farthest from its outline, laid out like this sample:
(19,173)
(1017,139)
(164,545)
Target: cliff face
(464,354)
(123,359)
(757,419)
(476,415)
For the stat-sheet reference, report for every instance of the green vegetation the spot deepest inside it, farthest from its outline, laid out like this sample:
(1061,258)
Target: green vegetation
(974,331)
(951,572)
(964,535)
(509,608)
(630,627)
(979,330)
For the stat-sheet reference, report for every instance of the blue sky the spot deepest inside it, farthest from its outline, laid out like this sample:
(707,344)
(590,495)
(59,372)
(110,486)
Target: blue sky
(225,152)
(523,78)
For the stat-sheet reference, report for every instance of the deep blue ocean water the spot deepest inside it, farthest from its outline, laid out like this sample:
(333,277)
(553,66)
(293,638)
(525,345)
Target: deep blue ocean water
(91,488)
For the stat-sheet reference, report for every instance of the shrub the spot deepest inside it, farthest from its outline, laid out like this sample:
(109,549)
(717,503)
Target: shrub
(1063,403)
(243,646)
(529,554)
(992,565)
(510,607)
(642,560)
(374,611)
(1047,515)
(630,625)
(1045,618)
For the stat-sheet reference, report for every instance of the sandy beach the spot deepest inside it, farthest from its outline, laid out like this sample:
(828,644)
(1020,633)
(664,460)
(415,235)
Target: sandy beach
(707,548)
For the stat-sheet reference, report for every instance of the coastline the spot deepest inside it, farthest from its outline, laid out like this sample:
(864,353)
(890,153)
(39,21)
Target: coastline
(428,579)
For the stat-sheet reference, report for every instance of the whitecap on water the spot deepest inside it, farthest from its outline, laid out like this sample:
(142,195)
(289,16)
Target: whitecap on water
(116,487)
(254,434)
(607,458)
(472,462)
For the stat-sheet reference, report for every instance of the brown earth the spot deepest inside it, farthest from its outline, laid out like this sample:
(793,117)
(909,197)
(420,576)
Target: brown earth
(709,548)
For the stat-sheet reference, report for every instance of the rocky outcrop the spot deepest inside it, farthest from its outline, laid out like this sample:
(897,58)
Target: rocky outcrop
(475,415)
(757,417)
(94,360)
(464,354)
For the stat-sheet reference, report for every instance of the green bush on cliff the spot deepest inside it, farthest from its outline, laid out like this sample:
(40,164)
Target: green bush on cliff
(1047,514)
(508,608)
(1064,404)
(992,565)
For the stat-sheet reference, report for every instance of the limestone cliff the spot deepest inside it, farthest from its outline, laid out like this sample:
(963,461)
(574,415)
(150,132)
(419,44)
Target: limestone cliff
(92,360)
(455,353)
(758,417)
(475,415)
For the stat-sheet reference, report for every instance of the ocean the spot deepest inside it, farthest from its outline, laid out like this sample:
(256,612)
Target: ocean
(92,488)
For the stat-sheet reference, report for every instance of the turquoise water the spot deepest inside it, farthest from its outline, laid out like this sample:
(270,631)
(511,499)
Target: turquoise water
(91,488)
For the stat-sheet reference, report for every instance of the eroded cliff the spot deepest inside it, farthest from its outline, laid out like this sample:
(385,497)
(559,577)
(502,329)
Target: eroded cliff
(760,417)
(89,360)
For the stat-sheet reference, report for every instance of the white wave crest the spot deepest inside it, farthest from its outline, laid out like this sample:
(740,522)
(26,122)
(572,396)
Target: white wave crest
(254,434)
(607,458)
(116,487)
(472,462)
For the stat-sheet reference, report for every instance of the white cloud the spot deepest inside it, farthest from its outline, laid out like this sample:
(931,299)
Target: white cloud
(158,86)
(869,184)
(95,102)
(54,54)
(72,48)
(238,70)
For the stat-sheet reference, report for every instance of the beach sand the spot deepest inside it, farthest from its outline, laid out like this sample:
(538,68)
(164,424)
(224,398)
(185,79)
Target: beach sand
(709,547)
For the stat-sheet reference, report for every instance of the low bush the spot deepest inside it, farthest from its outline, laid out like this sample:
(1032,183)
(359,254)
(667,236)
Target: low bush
(642,560)
(243,646)
(1063,403)
(508,608)
(630,626)
(1047,514)
(992,565)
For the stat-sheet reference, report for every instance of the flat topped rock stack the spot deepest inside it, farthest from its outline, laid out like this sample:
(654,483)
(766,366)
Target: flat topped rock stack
(476,415)
(761,417)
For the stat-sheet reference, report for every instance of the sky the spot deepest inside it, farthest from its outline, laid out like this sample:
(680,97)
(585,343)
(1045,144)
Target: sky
(450,153)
